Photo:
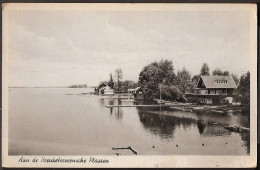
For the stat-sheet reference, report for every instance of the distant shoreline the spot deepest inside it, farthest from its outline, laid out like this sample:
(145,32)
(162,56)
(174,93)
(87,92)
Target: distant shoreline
(56,87)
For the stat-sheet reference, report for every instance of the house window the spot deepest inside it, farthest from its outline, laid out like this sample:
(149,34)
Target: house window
(220,81)
(219,92)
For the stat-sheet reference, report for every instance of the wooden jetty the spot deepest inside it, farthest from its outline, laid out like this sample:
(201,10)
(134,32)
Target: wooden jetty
(154,105)
(186,107)
(130,148)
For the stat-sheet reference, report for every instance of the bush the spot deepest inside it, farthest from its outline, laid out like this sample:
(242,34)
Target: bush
(193,100)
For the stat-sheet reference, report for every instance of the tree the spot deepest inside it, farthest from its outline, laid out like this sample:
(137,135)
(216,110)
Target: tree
(171,92)
(118,76)
(195,78)
(244,88)
(184,82)
(128,84)
(155,74)
(226,73)
(204,71)
(79,86)
(237,98)
(217,72)
(235,78)
(111,81)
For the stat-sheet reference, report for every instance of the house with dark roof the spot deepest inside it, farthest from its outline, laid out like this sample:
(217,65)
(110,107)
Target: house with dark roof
(215,89)
(138,93)
(104,89)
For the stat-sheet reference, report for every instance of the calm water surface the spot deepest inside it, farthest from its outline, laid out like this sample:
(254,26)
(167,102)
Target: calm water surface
(60,121)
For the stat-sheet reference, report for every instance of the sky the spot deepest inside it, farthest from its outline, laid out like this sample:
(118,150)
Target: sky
(65,47)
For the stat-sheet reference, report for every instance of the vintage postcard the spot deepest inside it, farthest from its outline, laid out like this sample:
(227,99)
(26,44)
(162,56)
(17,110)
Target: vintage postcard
(129,85)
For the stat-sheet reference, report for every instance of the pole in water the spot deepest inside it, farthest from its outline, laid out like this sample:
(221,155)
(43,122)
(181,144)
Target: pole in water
(160,98)
(160,94)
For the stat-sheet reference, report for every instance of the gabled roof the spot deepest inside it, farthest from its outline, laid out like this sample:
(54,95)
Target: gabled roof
(138,88)
(104,84)
(210,82)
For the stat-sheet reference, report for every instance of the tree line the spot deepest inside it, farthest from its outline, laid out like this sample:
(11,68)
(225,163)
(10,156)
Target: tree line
(160,76)
(115,82)
(78,86)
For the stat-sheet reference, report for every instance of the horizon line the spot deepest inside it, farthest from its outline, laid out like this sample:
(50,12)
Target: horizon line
(46,87)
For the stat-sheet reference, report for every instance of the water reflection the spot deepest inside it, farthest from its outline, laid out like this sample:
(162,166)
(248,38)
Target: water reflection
(111,101)
(201,127)
(157,124)
(165,123)
(118,112)
(210,125)
(141,128)
(102,101)
(119,101)
(245,136)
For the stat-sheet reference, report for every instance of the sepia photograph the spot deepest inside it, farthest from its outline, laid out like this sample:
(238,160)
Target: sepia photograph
(129,85)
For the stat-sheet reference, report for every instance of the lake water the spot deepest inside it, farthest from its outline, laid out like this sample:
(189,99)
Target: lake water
(61,121)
